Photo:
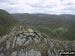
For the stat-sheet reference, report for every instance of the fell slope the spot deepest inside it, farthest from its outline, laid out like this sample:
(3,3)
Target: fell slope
(6,22)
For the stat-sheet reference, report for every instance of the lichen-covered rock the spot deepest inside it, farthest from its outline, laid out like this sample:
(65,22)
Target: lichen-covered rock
(20,42)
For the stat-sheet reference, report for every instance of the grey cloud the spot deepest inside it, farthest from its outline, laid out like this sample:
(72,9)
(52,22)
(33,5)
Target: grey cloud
(62,0)
(69,3)
(40,7)
(70,9)
(4,1)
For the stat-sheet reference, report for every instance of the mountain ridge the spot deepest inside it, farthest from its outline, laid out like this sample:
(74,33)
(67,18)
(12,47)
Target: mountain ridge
(6,21)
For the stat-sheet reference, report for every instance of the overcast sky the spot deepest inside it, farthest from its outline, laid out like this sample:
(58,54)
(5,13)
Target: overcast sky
(39,6)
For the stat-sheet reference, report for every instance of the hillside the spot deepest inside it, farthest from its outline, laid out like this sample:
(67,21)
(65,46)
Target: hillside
(36,35)
(55,26)
(52,20)
(26,41)
(6,22)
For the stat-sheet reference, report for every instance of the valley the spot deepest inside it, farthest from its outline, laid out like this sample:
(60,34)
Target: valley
(36,34)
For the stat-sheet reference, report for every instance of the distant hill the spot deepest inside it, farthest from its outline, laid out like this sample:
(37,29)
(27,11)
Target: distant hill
(53,20)
(68,16)
(6,22)
(57,26)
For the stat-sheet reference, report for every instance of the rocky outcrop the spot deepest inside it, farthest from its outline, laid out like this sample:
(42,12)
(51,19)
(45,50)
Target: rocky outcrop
(27,42)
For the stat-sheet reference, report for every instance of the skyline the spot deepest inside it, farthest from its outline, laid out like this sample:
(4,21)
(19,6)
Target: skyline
(39,6)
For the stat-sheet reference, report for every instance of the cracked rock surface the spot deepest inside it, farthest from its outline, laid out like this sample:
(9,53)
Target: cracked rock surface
(27,42)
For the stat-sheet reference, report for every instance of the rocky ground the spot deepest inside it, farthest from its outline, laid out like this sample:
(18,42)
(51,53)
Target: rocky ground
(27,42)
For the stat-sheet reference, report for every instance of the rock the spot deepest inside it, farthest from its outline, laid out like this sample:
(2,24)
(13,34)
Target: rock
(22,54)
(22,28)
(45,40)
(51,43)
(22,43)
(53,53)
(8,44)
(27,42)
(33,53)
(14,53)
(3,38)
(1,54)
(49,53)
(30,30)
(19,41)
(35,41)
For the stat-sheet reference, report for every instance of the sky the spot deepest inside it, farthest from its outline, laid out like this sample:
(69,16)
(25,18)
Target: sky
(39,6)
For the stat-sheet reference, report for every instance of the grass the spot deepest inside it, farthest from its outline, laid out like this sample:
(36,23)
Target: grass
(59,33)
(6,22)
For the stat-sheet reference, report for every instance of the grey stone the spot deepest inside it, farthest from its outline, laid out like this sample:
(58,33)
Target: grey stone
(14,53)
(35,40)
(33,53)
(1,54)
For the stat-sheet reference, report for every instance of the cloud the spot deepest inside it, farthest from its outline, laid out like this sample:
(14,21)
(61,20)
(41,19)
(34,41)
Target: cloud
(39,6)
